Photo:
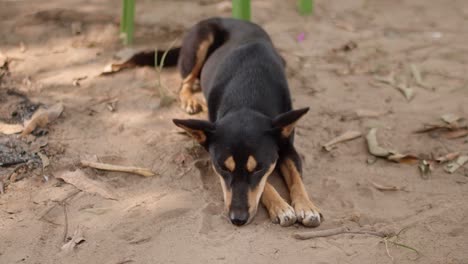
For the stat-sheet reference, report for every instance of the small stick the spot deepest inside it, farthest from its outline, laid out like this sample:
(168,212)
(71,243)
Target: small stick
(109,167)
(340,230)
(65,229)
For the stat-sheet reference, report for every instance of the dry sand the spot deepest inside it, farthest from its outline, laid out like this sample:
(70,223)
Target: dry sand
(176,216)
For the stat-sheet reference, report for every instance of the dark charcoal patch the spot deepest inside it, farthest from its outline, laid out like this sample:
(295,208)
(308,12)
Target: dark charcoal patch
(15,107)
(14,151)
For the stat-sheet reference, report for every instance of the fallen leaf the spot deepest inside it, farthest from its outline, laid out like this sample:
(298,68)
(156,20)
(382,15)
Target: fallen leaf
(450,118)
(373,146)
(403,158)
(456,133)
(417,77)
(75,240)
(448,157)
(79,179)
(381,187)
(408,92)
(378,151)
(348,135)
(76,81)
(431,127)
(456,164)
(9,129)
(42,117)
(44,159)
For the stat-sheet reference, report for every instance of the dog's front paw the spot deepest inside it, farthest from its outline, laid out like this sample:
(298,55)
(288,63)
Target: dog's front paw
(282,214)
(307,213)
(191,105)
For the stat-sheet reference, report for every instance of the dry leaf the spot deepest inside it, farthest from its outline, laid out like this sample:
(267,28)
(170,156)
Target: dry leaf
(9,129)
(76,239)
(432,127)
(408,92)
(76,81)
(373,146)
(42,117)
(348,135)
(448,157)
(403,158)
(456,133)
(385,187)
(81,181)
(378,151)
(450,118)
(44,159)
(456,164)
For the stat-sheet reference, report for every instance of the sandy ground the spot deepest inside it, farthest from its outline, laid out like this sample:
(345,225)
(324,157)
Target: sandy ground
(177,216)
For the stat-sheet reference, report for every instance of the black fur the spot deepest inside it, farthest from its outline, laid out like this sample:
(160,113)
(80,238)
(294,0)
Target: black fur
(249,103)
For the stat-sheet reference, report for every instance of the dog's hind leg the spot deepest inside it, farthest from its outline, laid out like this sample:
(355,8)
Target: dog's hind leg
(196,48)
(290,165)
(279,210)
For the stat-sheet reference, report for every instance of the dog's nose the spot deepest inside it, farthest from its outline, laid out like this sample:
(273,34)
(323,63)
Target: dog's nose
(239,217)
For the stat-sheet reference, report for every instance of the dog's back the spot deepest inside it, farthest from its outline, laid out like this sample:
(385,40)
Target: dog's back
(244,71)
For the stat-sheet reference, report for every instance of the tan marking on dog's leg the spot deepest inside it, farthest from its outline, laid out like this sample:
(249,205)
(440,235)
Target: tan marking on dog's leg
(255,194)
(307,213)
(279,210)
(189,103)
(230,163)
(227,194)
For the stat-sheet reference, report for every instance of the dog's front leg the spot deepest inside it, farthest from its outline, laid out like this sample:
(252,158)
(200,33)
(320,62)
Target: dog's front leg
(306,211)
(280,211)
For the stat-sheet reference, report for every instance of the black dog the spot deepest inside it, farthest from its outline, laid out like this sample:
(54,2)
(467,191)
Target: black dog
(250,131)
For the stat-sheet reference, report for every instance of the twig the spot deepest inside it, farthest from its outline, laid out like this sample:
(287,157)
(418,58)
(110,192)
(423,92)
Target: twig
(65,229)
(341,230)
(109,167)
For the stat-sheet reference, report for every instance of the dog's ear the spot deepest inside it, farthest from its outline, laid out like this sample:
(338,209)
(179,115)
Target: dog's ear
(200,130)
(287,121)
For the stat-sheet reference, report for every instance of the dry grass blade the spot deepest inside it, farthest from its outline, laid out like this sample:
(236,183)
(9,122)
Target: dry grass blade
(348,135)
(109,167)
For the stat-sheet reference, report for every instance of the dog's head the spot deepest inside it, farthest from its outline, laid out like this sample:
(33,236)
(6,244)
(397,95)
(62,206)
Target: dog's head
(243,146)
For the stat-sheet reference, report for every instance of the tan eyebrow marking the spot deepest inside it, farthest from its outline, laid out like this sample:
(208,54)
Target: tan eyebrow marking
(230,163)
(251,164)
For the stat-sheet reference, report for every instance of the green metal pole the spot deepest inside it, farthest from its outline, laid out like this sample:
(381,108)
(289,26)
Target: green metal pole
(123,18)
(241,9)
(130,23)
(306,7)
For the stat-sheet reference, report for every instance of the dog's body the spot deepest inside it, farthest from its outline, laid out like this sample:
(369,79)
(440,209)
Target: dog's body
(250,131)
